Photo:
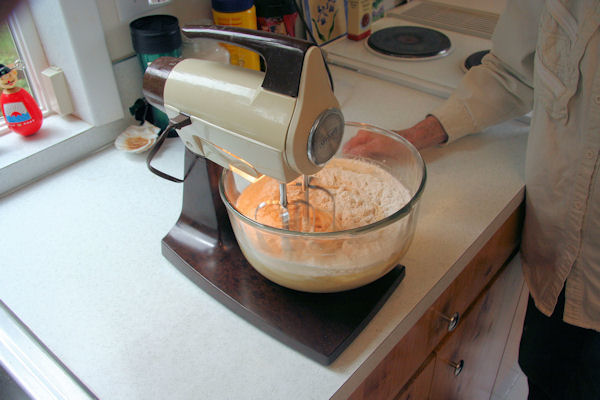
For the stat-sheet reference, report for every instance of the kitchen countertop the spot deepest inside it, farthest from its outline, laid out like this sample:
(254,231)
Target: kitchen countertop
(82,266)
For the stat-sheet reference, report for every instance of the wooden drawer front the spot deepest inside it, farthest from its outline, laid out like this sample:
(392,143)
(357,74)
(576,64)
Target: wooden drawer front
(417,388)
(467,361)
(406,357)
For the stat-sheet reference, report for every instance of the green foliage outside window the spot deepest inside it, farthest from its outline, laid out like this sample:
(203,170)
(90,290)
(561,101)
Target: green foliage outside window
(9,54)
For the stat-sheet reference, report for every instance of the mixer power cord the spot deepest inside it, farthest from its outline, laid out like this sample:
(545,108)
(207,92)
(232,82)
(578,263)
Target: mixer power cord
(177,122)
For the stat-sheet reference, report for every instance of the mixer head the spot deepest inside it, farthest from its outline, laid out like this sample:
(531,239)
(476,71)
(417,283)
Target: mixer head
(283,123)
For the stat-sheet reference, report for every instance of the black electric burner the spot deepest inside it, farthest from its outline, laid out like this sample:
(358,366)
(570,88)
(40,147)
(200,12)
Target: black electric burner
(475,59)
(409,42)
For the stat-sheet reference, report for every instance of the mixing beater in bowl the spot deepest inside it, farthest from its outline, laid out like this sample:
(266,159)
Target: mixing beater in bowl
(347,193)
(294,209)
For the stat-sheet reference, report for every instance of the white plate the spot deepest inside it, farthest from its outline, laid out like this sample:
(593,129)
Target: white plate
(137,138)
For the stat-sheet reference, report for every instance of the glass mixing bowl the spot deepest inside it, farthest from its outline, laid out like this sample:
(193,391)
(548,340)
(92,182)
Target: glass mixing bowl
(323,262)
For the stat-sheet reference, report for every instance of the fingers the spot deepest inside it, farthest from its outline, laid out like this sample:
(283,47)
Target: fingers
(358,150)
(370,148)
(359,139)
(369,144)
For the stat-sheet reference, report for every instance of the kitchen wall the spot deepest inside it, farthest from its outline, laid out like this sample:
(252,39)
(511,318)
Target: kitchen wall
(128,73)
(118,39)
(117,34)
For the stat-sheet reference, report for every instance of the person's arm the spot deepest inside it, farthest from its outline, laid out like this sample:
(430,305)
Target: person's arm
(499,89)
(426,133)
(429,132)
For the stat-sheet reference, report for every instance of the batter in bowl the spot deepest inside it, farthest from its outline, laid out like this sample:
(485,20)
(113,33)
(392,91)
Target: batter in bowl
(363,193)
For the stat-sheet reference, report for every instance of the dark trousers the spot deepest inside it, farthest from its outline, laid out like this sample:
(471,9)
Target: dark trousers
(561,361)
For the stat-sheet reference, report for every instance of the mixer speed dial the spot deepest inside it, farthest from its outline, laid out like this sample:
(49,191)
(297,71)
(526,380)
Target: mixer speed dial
(325,136)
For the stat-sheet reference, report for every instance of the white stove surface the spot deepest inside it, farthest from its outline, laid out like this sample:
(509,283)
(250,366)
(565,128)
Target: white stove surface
(492,6)
(438,76)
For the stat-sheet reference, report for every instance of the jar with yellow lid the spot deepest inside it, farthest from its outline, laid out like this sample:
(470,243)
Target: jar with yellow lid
(241,13)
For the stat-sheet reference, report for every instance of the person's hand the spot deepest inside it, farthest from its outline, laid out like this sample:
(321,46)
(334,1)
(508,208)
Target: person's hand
(429,132)
(370,144)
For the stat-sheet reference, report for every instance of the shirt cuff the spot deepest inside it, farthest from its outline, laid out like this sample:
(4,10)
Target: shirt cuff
(455,118)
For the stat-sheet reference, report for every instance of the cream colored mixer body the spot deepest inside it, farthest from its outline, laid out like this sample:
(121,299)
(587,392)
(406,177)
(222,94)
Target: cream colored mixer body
(239,123)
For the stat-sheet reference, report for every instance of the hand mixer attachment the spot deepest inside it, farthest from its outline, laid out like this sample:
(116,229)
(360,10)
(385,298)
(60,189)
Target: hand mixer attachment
(299,214)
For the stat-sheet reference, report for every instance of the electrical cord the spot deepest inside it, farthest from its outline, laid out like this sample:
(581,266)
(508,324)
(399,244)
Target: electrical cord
(178,122)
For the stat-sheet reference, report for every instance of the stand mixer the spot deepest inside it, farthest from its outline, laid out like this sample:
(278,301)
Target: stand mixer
(283,123)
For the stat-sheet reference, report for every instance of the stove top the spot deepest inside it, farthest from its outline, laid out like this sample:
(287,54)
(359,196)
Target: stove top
(468,32)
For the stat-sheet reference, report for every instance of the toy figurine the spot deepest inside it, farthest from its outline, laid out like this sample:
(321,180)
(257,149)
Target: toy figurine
(21,112)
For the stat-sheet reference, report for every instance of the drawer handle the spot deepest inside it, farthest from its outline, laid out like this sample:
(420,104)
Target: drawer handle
(458,367)
(452,320)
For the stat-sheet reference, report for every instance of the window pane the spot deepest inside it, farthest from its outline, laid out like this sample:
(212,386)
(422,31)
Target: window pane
(9,54)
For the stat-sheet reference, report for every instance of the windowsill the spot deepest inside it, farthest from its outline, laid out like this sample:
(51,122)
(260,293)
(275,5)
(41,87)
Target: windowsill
(55,129)
(60,142)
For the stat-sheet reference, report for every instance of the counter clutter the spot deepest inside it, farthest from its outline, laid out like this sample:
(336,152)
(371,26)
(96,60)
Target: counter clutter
(82,267)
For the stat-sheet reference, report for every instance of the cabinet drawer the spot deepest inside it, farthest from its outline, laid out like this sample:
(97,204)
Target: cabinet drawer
(417,388)
(406,357)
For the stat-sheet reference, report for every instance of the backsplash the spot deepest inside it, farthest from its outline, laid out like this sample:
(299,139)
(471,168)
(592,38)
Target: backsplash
(381,6)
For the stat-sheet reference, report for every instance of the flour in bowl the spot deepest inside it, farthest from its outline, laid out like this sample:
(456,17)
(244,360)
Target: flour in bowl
(364,193)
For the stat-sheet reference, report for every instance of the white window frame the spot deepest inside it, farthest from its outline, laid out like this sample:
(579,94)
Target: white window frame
(67,34)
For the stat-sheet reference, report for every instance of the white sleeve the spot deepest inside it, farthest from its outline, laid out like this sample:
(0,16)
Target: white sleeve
(501,87)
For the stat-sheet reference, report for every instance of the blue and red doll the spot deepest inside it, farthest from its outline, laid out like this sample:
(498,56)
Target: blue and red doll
(21,112)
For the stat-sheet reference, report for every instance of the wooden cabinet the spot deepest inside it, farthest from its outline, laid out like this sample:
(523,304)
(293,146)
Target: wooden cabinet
(484,297)
(467,361)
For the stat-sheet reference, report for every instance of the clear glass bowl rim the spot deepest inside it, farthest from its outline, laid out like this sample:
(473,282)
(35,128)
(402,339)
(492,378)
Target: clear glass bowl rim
(362,229)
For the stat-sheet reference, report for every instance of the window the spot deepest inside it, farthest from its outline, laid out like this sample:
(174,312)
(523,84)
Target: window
(9,54)
(67,34)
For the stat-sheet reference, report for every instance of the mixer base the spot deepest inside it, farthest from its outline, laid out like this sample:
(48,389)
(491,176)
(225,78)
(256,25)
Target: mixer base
(320,326)
(203,247)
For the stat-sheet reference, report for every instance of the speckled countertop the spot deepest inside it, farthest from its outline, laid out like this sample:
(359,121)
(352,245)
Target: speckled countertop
(82,267)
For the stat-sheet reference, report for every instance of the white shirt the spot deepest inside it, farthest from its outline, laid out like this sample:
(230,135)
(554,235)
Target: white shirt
(545,57)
